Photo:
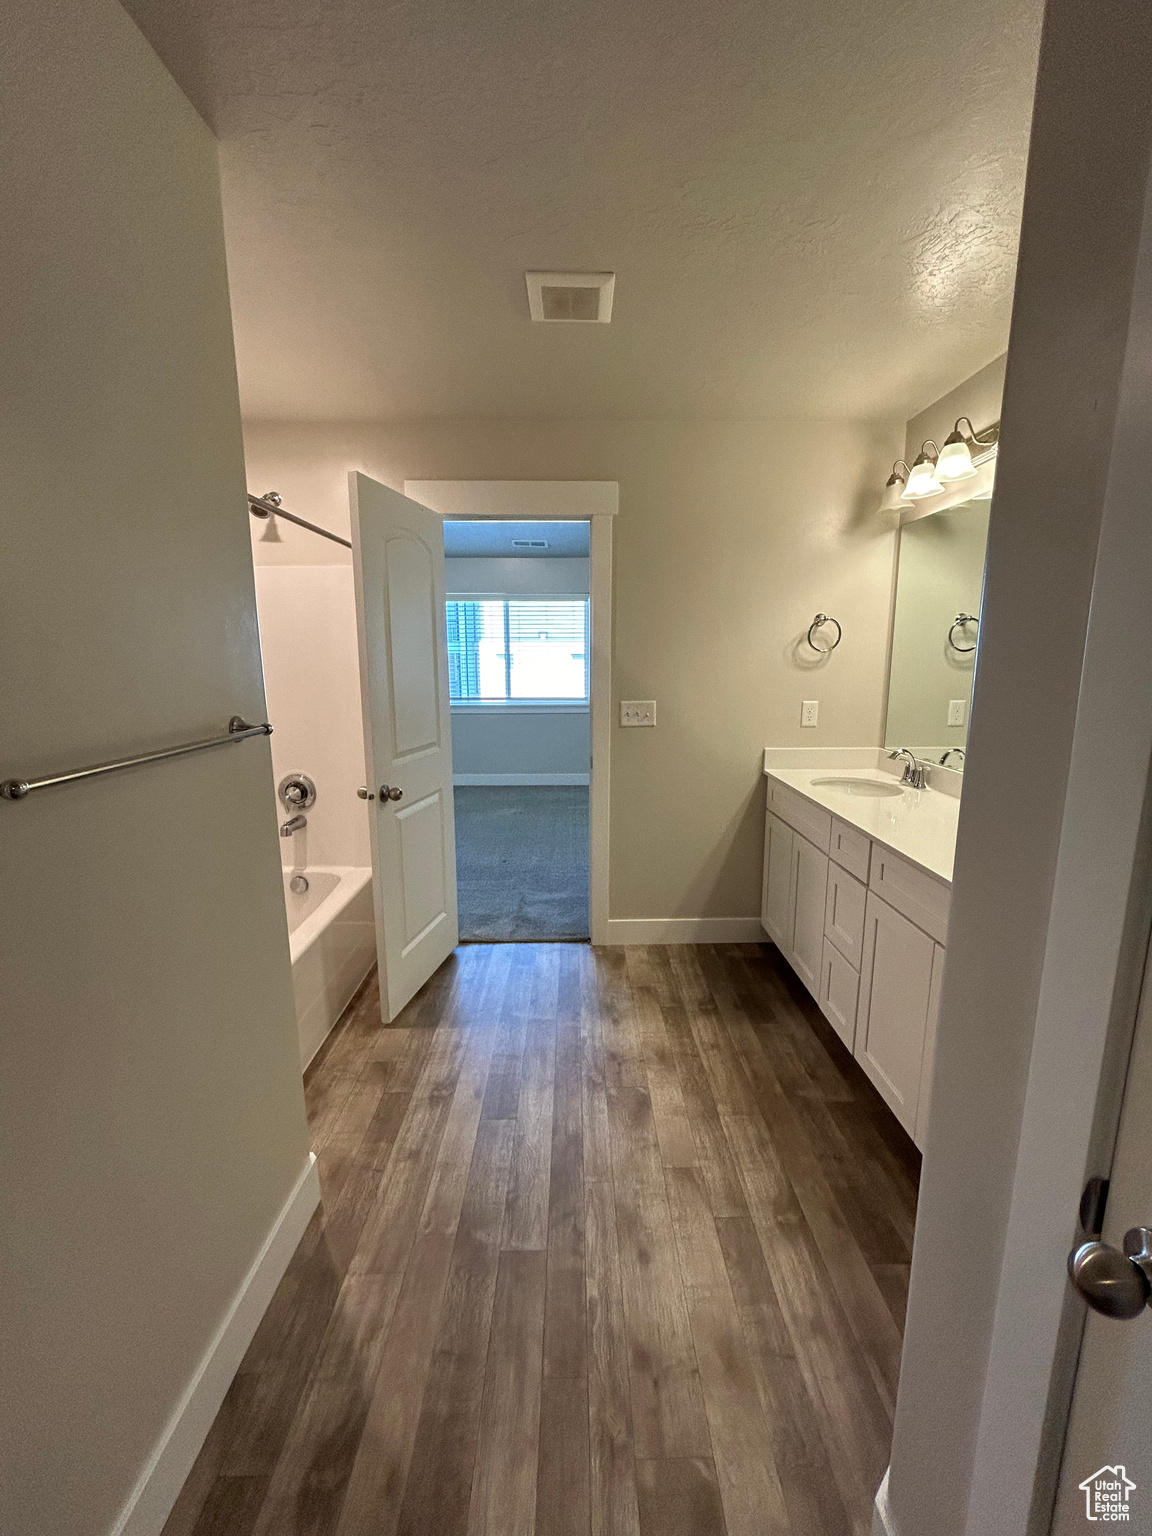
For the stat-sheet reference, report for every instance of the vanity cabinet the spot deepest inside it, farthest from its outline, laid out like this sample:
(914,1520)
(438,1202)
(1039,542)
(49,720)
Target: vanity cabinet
(794,898)
(777,912)
(899,986)
(863,929)
(809,881)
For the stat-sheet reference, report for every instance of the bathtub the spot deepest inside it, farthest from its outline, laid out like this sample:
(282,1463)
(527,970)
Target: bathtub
(332,936)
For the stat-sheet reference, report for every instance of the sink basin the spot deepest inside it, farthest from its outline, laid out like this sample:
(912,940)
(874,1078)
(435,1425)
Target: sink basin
(869,789)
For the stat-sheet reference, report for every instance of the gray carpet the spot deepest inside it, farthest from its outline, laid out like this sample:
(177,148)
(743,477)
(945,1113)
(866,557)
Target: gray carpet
(522,862)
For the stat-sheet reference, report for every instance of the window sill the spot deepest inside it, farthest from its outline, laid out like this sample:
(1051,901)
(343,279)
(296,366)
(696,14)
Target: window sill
(520,707)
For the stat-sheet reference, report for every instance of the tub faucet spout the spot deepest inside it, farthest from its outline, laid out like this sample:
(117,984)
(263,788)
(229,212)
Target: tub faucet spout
(293,824)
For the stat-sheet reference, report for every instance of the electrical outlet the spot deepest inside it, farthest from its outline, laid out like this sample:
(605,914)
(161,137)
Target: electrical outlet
(957,711)
(809,712)
(637,711)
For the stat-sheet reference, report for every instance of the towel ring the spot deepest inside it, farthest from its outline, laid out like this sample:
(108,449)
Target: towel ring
(961,618)
(823,618)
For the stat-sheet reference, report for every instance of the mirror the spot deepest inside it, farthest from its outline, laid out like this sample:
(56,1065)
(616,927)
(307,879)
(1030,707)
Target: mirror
(940,574)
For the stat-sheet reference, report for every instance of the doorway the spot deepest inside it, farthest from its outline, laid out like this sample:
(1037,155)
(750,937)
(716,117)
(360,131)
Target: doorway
(519,666)
(568,516)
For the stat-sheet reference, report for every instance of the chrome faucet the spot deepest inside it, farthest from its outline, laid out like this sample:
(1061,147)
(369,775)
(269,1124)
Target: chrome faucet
(915,774)
(293,824)
(952,752)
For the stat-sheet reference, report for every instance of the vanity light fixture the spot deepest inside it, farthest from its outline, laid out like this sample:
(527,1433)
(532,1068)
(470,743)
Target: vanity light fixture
(894,487)
(922,480)
(955,461)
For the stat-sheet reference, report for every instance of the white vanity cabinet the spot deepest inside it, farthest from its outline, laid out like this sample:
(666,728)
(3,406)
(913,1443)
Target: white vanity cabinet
(795,882)
(863,928)
(794,892)
(899,986)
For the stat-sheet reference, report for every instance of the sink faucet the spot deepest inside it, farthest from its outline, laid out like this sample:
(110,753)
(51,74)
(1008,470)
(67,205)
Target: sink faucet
(952,752)
(293,824)
(915,775)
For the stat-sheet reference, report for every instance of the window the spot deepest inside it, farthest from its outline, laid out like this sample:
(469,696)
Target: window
(531,649)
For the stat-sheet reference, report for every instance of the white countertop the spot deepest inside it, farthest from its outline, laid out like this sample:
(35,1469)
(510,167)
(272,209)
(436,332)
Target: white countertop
(919,824)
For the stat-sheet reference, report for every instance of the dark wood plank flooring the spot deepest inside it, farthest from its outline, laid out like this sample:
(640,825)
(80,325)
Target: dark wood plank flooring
(614,1242)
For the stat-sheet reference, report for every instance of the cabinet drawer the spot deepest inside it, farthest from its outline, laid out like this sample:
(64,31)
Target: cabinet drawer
(839,989)
(850,849)
(920,897)
(809,820)
(844,913)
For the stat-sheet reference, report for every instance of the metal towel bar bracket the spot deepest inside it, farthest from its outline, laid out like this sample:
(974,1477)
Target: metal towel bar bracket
(817,623)
(958,623)
(238,730)
(269,505)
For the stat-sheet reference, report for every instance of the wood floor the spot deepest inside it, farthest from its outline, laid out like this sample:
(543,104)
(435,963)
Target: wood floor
(613,1243)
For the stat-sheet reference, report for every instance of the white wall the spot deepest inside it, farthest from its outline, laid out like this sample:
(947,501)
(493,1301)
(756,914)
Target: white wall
(526,575)
(152,1116)
(730,537)
(532,742)
(312,678)
(511,745)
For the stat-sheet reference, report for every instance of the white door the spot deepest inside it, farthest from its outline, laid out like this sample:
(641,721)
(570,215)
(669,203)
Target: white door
(1106,1471)
(398,559)
(811,885)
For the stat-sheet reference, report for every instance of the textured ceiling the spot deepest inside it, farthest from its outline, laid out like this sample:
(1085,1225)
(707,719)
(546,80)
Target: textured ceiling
(811,205)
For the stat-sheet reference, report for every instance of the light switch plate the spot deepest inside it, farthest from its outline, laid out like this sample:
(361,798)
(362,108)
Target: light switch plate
(810,712)
(637,711)
(957,710)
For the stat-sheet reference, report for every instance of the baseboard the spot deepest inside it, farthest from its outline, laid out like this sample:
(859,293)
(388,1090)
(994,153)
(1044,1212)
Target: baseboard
(519,778)
(151,1501)
(881,1514)
(685,930)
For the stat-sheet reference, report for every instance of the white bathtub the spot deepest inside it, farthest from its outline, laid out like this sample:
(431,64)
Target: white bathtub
(332,936)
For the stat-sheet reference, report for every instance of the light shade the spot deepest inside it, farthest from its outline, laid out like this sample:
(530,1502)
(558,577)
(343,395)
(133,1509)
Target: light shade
(922,481)
(955,461)
(986,493)
(894,488)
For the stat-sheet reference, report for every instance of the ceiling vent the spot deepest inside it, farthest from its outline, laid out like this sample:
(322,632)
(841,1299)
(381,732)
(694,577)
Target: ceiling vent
(571,296)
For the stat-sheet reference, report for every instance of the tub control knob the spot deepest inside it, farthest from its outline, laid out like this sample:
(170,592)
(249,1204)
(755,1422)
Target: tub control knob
(365,793)
(390,792)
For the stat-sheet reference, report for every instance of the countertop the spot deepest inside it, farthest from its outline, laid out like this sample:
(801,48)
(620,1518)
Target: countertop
(919,825)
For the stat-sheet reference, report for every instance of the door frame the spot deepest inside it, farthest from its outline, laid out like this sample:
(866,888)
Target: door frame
(597,503)
(1089,991)
(1091,972)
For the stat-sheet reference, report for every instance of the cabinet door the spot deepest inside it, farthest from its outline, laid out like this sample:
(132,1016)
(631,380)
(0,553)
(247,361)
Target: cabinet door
(811,886)
(839,989)
(895,1000)
(844,914)
(924,1098)
(778,909)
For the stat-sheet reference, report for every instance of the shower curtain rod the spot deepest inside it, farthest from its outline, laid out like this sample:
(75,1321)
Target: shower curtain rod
(268,505)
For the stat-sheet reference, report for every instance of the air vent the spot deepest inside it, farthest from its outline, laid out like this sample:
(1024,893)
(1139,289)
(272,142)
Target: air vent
(584,297)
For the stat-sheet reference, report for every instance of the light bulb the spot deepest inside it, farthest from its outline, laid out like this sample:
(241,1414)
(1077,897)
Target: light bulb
(922,481)
(955,461)
(893,488)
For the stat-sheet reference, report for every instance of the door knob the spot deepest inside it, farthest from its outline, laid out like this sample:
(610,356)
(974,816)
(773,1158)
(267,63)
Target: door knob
(1114,1284)
(390,792)
(365,794)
